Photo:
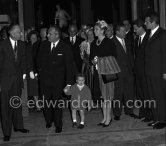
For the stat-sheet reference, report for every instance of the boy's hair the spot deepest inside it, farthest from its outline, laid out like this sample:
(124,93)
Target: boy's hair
(80,75)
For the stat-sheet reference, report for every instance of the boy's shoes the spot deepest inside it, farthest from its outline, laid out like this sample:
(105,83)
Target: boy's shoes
(81,126)
(74,125)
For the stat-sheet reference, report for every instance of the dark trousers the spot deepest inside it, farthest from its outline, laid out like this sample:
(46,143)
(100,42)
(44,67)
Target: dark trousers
(157,92)
(143,95)
(96,92)
(9,115)
(52,106)
(124,93)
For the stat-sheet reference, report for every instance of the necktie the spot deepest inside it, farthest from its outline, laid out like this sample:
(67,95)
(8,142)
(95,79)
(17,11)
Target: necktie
(123,44)
(72,40)
(15,47)
(139,42)
(150,35)
(53,47)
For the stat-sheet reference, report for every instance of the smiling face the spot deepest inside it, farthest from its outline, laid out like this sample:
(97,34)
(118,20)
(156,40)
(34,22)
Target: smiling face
(53,34)
(80,81)
(33,38)
(15,32)
(72,30)
(90,35)
(98,31)
(121,33)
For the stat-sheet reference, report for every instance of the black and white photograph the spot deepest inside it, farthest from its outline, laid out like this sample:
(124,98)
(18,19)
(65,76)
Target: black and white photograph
(82,72)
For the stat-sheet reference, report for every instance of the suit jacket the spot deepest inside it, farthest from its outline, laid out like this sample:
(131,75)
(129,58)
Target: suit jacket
(130,38)
(125,60)
(76,51)
(55,67)
(155,54)
(139,64)
(11,70)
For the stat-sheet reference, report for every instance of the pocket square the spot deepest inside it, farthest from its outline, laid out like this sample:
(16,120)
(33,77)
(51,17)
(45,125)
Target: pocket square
(59,54)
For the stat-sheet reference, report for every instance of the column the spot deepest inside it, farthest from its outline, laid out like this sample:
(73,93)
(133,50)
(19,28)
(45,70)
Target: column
(29,14)
(86,12)
(21,16)
(122,9)
(156,5)
(162,12)
(134,9)
(73,12)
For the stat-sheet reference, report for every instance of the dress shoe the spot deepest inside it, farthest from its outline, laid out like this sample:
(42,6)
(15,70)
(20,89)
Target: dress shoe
(81,126)
(152,123)
(159,126)
(74,124)
(109,124)
(58,130)
(48,125)
(117,118)
(100,124)
(6,138)
(21,130)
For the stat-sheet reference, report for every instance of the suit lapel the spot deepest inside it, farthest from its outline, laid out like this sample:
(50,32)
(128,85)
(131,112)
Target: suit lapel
(10,49)
(119,45)
(58,46)
(155,35)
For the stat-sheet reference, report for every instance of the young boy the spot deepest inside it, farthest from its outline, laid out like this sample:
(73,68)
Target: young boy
(80,99)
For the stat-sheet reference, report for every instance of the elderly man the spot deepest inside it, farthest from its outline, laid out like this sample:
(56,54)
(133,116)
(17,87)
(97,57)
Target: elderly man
(12,67)
(55,65)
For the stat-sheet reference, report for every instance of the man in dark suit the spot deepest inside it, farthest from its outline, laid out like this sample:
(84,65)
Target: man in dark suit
(124,91)
(12,67)
(55,66)
(155,69)
(75,42)
(129,33)
(139,69)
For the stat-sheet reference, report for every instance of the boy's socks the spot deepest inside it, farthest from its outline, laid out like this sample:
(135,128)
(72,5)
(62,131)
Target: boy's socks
(82,123)
(74,121)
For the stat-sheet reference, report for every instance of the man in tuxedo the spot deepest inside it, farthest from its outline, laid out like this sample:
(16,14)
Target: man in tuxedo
(155,69)
(12,68)
(75,42)
(139,68)
(129,33)
(124,89)
(55,66)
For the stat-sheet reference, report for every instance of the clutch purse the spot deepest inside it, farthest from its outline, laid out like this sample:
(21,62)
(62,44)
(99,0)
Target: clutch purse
(109,77)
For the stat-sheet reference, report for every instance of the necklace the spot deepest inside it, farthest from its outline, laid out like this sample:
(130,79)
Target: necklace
(98,42)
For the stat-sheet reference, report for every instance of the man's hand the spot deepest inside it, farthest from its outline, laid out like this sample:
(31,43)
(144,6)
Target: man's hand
(24,76)
(164,76)
(32,76)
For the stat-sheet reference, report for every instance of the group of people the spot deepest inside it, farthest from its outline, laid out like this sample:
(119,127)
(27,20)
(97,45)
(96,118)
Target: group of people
(96,64)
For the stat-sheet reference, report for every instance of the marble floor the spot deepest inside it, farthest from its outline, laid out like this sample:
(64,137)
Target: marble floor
(126,132)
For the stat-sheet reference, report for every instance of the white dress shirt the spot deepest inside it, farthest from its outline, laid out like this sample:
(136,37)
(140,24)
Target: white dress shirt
(12,42)
(74,39)
(153,31)
(80,87)
(54,44)
(122,42)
